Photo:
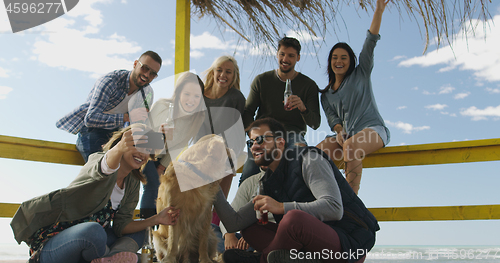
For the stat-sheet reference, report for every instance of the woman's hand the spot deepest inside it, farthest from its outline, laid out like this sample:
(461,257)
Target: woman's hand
(340,138)
(126,143)
(377,16)
(264,202)
(168,216)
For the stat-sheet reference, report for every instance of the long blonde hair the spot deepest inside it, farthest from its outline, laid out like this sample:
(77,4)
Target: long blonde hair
(209,78)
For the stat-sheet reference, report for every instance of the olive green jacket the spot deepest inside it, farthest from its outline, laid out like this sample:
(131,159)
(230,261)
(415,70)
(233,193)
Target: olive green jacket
(86,195)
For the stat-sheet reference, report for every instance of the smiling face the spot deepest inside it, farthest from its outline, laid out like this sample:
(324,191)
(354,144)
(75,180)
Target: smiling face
(340,61)
(190,97)
(269,152)
(224,75)
(145,70)
(134,159)
(287,58)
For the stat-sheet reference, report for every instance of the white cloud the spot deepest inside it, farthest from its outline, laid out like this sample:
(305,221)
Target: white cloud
(446,89)
(406,127)
(302,36)
(478,114)
(4,91)
(461,95)
(398,58)
(476,51)
(414,88)
(401,107)
(492,91)
(167,62)
(3,73)
(436,106)
(425,92)
(61,47)
(207,41)
(196,54)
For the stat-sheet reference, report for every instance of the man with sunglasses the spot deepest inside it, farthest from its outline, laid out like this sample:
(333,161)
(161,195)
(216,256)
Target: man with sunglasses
(318,216)
(107,106)
(266,97)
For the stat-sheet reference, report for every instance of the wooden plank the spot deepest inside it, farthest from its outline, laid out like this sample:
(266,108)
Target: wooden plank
(423,154)
(182,35)
(38,150)
(476,212)
(430,213)
(456,152)
(8,210)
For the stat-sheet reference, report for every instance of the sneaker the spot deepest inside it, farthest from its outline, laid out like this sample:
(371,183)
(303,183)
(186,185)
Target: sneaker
(284,256)
(240,256)
(121,257)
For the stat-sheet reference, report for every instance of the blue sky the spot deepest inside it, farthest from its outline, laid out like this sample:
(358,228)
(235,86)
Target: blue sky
(445,95)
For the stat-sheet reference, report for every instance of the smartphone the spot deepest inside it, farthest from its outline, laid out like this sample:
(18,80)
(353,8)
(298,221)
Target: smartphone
(156,140)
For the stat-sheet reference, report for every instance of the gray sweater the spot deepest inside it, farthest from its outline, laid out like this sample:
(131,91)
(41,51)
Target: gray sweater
(353,102)
(318,176)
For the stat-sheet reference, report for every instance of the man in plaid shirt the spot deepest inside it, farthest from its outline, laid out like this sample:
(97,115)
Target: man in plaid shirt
(107,106)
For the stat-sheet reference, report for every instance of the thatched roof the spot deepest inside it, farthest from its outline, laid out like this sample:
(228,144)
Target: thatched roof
(260,21)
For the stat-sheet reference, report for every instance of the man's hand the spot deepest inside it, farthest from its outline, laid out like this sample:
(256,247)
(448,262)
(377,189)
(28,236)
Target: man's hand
(264,202)
(294,102)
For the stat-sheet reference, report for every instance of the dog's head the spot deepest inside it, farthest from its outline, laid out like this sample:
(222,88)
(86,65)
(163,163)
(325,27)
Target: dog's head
(207,161)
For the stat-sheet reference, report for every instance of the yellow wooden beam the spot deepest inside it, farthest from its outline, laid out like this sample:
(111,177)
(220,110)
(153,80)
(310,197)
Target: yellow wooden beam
(386,214)
(422,154)
(38,150)
(8,210)
(476,212)
(435,153)
(182,35)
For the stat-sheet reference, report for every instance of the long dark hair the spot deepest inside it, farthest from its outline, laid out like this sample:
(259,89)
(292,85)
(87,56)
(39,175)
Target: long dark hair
(352,64)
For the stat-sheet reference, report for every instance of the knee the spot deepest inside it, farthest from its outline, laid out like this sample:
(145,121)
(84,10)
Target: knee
(293,218)
(352,151)
(95,235)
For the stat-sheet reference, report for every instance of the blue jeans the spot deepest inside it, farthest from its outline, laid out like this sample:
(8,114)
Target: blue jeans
(82,242)
(90,140)
(150,192)
(250,168)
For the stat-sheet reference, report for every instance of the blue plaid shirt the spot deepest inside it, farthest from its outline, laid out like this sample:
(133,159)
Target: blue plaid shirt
(107,93)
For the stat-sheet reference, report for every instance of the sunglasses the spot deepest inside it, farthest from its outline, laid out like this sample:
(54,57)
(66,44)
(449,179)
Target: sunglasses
(145,69)
(259,139)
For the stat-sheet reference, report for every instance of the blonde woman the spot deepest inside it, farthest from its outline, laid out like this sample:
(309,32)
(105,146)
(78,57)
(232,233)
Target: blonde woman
(225,104)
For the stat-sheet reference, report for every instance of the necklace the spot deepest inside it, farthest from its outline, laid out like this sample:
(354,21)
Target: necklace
(278,75)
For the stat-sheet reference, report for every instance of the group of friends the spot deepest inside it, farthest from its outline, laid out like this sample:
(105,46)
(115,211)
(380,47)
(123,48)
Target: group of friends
(318,216)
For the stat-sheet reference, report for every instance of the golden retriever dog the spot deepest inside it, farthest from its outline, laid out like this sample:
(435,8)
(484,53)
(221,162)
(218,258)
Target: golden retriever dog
(192,238)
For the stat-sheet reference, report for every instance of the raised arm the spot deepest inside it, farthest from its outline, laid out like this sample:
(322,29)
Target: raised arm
(377,16)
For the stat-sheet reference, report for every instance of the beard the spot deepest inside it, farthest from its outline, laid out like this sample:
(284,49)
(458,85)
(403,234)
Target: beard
(267,157)
(135,78)
(285,71)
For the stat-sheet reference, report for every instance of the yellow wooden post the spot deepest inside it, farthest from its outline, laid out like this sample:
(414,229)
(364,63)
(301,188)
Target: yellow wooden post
(182,34)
